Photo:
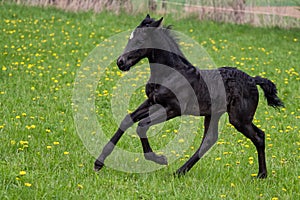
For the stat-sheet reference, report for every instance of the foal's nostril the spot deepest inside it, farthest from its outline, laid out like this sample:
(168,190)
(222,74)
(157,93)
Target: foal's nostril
(120,61)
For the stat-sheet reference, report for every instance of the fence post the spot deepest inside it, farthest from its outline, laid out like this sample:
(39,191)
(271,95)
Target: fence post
(152,5)
(239,7)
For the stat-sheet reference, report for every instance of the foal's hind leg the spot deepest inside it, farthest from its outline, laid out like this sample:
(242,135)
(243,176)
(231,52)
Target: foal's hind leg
(209,139)
(262,173)
(257,137)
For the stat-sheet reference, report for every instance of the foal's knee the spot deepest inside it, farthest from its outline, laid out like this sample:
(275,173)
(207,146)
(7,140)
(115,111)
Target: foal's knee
(141,130)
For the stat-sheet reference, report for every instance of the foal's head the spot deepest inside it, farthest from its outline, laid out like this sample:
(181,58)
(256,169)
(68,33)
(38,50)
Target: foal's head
(141,41)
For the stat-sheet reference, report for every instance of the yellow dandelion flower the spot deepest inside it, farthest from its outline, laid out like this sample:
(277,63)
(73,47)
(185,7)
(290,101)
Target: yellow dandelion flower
(27,184)
(22,142)
(79,186)
(66,152)
(181,140)
(22,173)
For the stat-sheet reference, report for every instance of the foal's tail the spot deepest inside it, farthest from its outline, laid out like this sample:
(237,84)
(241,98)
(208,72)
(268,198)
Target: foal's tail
(270,91)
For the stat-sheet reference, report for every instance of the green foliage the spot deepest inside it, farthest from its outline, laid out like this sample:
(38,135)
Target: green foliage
(42,156)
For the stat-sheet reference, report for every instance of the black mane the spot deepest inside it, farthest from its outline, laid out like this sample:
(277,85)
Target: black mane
(167,30)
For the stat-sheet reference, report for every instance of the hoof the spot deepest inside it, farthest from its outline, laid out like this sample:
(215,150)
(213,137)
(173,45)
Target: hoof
(180,172)
(262,175)
(159,159)
(98,165)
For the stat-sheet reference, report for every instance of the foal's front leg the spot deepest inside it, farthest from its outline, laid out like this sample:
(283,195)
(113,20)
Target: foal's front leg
(160,115)
(141,112)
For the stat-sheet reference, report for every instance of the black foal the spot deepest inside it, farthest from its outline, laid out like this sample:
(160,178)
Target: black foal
(178,88)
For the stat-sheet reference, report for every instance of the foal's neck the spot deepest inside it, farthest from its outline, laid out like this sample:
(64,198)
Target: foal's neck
(167,55)
(175,60)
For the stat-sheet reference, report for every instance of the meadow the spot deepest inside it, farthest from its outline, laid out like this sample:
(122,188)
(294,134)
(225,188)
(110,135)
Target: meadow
(43,157)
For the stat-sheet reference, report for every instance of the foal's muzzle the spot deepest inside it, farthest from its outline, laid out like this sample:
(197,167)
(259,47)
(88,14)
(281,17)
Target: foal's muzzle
(121,62)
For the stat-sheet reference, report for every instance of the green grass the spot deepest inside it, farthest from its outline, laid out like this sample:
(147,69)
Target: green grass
(41,52)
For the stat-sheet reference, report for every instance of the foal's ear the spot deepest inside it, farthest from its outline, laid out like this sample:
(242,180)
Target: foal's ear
(157,23)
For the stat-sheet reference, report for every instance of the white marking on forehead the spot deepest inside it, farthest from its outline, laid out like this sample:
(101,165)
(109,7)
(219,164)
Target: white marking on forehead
(131,35)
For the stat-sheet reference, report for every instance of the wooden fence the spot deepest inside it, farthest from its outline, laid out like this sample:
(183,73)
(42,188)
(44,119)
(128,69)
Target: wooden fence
(255,12)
